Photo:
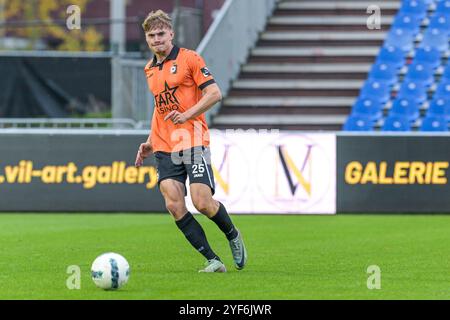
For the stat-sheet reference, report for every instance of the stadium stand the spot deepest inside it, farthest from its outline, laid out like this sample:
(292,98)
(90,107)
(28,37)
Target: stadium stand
(413,64)
(308,66)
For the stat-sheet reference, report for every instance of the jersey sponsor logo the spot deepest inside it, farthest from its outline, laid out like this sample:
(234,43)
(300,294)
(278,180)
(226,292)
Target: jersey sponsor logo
(166,100)
(205,72)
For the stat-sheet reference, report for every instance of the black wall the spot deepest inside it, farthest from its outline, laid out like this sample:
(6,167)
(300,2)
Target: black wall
(52,86)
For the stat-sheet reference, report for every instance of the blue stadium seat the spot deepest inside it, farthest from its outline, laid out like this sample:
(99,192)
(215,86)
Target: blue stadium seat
(428,2)
(413,91)
(440,107)
(407,21)
(384,73)
(435,38)
(428,55)
(396,123)
(369,108)
(405,108)
(391,55)
(400,38)
(443,7)
(440,21)
(376,90)
(434,123)
(446,74)
(443,90)
(414,7)
(420,73)
(358,123)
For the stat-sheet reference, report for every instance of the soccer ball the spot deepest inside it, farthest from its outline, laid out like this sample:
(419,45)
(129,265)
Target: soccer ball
(110,271)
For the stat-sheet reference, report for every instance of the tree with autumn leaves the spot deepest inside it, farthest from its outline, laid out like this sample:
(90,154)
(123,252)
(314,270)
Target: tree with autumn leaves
(40,17)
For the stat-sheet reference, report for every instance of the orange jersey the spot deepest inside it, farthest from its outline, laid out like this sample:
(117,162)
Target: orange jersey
(177,84)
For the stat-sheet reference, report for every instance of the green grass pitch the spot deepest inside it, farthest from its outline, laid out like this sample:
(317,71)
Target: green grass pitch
(290,257)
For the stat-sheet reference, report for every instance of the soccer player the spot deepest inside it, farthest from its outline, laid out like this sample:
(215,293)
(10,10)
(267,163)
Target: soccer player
(183,90)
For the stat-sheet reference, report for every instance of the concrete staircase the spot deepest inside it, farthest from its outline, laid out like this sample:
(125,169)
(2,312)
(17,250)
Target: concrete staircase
(307,66)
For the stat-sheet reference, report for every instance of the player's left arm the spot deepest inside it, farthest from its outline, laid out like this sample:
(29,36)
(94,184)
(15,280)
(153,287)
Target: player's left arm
(210,91)
(211,95)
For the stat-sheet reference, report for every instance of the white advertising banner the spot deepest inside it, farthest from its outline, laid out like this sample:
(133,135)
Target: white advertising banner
(263,171)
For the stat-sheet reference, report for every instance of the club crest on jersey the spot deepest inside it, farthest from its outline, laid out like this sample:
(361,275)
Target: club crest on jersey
(173,69)
(205,72)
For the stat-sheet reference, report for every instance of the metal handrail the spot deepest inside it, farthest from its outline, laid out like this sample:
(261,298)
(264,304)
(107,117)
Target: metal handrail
(70,123)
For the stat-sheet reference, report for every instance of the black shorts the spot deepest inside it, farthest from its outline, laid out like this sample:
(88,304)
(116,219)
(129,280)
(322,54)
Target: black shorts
(194,162)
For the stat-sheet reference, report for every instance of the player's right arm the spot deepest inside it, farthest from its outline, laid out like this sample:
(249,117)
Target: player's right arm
(144,151)
(145,148)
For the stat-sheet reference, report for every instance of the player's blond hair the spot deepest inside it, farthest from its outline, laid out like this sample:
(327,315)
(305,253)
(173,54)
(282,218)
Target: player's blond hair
(157,20)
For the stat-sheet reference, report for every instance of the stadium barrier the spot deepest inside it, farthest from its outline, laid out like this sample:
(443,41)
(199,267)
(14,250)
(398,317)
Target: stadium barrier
(284,172)
(76,171)
(403,173)
(68,123)
(130,95)
(265,171)
(93,170)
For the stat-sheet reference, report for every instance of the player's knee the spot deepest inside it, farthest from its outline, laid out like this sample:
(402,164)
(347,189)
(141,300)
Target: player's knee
(176,208)
(203,205)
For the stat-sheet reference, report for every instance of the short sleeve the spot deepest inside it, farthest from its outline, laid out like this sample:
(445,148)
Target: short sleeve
(200,73)
(148,75)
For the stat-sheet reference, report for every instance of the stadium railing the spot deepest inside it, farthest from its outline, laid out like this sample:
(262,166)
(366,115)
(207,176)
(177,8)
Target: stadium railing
(67,123)
(130,96)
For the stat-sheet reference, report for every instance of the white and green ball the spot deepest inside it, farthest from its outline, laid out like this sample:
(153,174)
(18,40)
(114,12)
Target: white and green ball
(110,271)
